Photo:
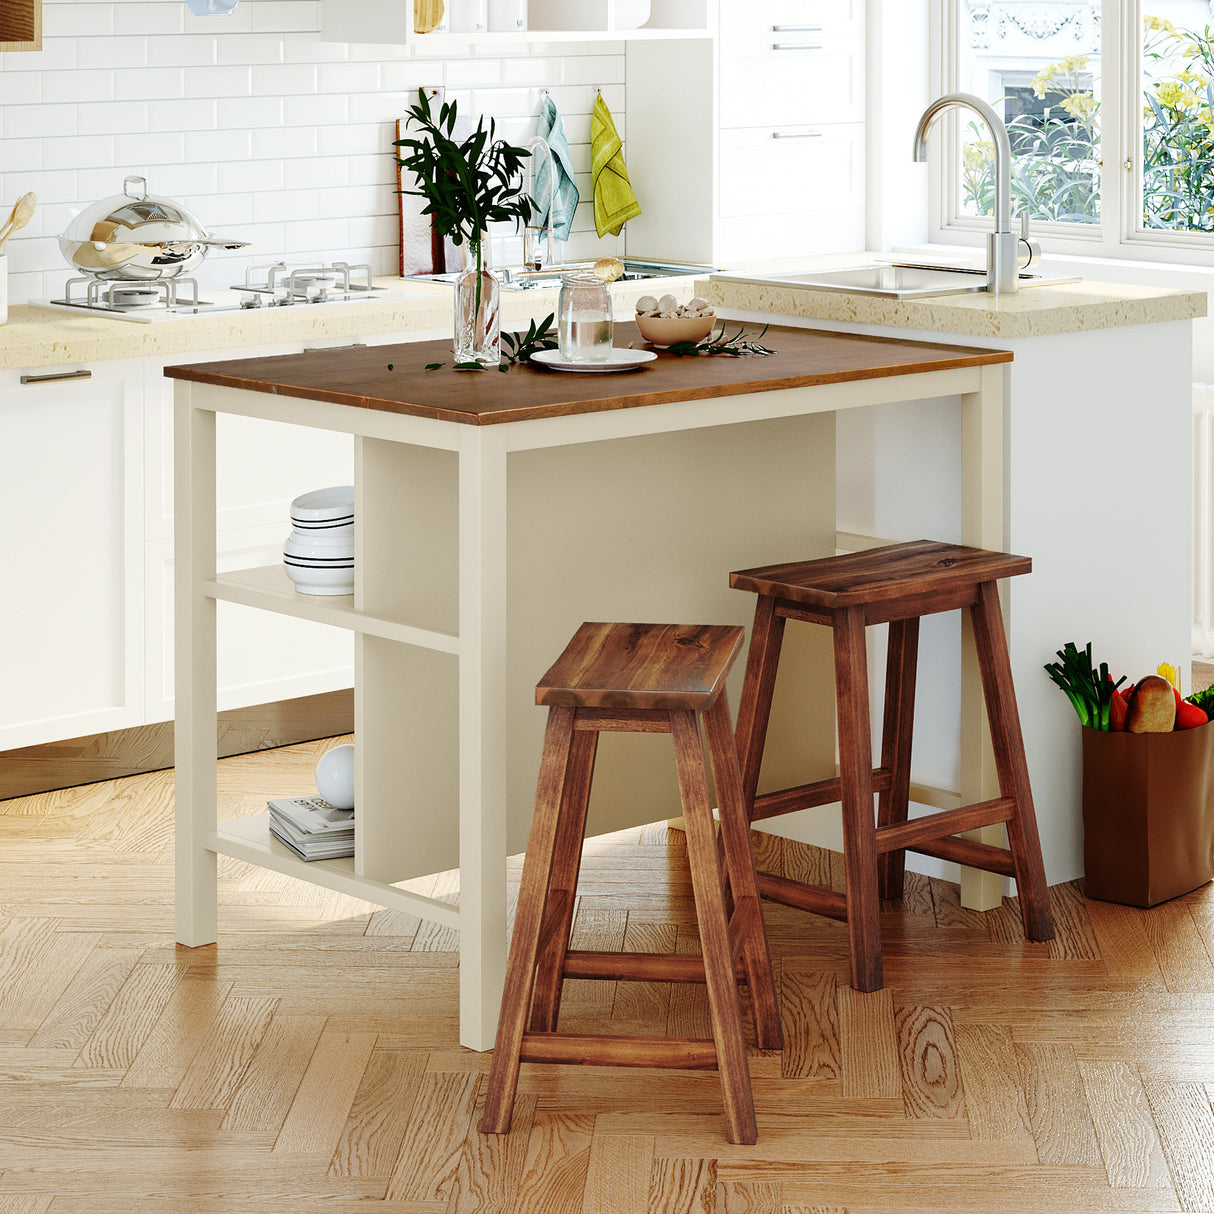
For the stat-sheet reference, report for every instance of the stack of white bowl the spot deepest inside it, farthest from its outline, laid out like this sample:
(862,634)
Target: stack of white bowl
(319,553)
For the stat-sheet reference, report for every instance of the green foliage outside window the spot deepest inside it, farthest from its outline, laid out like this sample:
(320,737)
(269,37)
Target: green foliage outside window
(1056,155)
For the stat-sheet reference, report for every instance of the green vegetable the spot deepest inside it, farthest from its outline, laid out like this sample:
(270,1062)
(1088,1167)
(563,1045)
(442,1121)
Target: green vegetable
(1204,700)
(1090,691)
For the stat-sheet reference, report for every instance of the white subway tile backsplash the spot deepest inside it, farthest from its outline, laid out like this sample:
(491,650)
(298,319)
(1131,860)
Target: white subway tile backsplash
(218,81)
(257,125)
(117,53)
(80,85)
(316,171)
(234,113)
(100,117)
(285,79)
(150,148)
(286,142)
(150,17)
(39,121)
(79,152)
(317,110)
(149,82)
(181,50)
(173,115)
(218,146)
(249,48)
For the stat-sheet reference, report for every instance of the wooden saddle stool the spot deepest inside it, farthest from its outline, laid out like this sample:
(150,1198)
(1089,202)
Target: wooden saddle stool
(638,678)
(896,584)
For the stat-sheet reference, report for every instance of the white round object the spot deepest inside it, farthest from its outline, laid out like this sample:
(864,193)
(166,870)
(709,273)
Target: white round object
(324,505)
(310,579)
(335,776)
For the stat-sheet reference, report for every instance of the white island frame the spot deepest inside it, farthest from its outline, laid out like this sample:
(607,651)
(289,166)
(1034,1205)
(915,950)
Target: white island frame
(481,485)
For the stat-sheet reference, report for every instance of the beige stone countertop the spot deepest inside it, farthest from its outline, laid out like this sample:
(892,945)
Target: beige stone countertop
(37,336)
(1037,311)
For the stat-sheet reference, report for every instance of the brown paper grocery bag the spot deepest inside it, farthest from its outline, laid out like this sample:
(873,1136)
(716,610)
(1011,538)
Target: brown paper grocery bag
(1148,814)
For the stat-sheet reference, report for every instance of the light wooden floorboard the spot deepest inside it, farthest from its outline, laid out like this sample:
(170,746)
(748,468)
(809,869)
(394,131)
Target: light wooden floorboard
(310,1060)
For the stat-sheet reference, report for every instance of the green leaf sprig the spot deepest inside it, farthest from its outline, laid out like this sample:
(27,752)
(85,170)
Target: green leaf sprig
(519,347)
(1089,690)
(718,343)
(516,347)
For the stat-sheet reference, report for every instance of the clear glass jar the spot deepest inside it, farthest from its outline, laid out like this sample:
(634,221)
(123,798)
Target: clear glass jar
(584,328)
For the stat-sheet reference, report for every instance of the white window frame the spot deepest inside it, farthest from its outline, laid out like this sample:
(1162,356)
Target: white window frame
(1120,235)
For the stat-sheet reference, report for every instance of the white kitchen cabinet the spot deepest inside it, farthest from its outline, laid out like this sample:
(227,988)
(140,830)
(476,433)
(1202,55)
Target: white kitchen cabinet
(71,594)
(391,21)
(261,466)
(750,145)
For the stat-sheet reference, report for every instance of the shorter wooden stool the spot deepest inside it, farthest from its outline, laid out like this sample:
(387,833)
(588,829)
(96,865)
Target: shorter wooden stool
(637,678)
(897,584)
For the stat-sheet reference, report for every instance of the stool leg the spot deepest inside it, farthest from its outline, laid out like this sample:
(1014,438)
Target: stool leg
(528,922)
(740,865)
(1008,742)
(758,685)
(706,883)
(897,726)
(859,830)
(562,887)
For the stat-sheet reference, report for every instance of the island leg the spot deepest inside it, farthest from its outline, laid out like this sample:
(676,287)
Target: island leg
(482,733)
(194,670)
(982,525)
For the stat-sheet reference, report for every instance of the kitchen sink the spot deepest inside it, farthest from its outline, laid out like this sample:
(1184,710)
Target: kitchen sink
(519,278)
(902,280)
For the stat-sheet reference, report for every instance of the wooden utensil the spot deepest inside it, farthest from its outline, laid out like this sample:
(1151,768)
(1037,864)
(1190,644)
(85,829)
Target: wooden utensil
(426,15)
(23,212)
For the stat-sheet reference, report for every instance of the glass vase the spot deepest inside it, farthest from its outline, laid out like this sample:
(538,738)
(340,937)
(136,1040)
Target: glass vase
(478,328)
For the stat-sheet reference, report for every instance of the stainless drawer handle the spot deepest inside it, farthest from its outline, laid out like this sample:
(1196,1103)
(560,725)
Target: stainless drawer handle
(796,134)
(796,29)
(796,46)
(56,375)
(353,345)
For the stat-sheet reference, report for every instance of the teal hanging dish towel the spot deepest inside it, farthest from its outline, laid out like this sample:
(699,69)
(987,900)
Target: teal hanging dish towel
(565,197)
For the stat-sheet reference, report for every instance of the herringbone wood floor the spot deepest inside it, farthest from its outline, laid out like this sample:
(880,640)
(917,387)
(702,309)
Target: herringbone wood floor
(310,1061)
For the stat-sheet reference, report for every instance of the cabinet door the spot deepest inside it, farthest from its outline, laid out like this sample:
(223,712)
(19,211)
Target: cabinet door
(71,595)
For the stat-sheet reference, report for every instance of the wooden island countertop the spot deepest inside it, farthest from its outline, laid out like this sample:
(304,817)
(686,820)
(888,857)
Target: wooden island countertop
(393,378)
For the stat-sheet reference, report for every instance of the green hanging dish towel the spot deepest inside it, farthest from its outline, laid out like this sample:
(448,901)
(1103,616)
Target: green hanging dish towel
(614,201)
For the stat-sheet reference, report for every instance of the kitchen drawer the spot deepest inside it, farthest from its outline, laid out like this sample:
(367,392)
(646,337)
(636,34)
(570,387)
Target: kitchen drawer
(809,78)
(791,170)
(758,19)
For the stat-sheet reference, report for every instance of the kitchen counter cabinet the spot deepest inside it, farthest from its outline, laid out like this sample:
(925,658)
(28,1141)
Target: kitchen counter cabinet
(495,513)
(1096,467)
(73,443)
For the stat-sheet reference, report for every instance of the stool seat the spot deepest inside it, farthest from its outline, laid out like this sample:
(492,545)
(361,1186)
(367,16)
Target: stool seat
(641,666)
(895,573)
(894,584)
(638,678)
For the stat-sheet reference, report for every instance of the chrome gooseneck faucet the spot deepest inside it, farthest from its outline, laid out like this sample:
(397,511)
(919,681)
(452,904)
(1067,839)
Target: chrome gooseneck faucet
(1002,245)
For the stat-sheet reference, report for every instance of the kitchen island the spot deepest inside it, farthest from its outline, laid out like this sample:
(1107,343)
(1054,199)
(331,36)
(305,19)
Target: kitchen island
(495,513)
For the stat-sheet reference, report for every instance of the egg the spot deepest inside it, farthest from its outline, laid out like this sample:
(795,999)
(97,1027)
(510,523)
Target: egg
(668,304)
(647,304)
(700,304)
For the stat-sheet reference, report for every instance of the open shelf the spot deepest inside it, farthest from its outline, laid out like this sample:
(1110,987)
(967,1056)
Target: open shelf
(269,589)
(249,839)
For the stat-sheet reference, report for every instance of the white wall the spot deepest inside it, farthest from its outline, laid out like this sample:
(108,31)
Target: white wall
(264,131)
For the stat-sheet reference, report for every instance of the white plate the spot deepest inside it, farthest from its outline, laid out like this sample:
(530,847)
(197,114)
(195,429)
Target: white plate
(620,360)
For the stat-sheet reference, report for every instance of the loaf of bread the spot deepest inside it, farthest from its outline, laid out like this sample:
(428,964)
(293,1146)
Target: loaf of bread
(1152,706)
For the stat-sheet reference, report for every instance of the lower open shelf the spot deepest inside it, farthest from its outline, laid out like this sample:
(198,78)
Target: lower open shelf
(249,839)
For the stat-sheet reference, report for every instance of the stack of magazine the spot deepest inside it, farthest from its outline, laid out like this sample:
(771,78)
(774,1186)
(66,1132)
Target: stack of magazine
(312,828)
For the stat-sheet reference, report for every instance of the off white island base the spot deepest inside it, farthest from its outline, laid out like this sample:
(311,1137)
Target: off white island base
(494,515)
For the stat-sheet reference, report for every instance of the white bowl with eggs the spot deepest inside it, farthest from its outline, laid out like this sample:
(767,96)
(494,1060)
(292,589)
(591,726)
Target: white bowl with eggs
(665,321)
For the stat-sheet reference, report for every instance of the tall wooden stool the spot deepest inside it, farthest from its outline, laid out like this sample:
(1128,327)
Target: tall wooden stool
(896,584)
(637,678)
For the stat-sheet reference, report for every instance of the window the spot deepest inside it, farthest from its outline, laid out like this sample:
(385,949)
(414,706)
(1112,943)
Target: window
(1110,112)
